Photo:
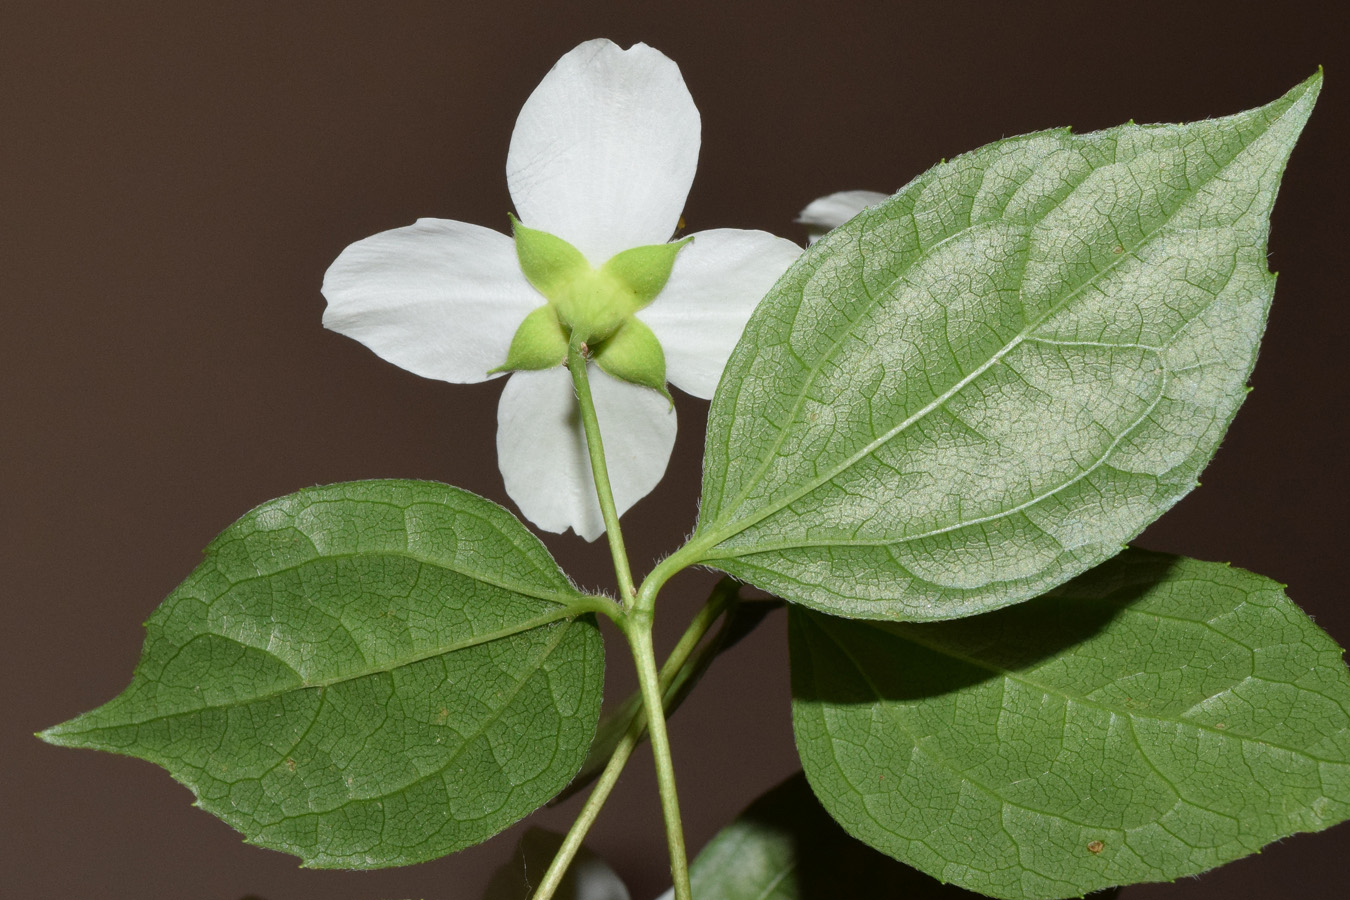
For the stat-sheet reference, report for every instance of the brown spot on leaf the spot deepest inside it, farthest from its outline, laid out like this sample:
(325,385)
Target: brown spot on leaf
(1095,847)
(290,764)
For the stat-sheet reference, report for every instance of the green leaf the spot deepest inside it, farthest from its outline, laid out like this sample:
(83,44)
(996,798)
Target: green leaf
(1154,718)
(365,675)
(991,381)
(786,847)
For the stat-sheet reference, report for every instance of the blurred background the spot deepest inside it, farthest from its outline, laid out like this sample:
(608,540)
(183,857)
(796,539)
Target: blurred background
(176,177)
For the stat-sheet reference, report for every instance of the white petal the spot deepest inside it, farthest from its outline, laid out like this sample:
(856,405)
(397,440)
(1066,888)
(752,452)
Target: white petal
(830,212)
(604,150)
(716,283)
(541,447)
(439,298)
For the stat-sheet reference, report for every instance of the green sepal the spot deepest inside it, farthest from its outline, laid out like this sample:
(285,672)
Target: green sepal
(642,272)
(540,343)
(634,354)
(592,304)
(550,263)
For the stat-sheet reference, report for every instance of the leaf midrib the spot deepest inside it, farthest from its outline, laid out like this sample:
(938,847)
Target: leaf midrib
(736,552)
(321,684)
(574,601)
(720,532)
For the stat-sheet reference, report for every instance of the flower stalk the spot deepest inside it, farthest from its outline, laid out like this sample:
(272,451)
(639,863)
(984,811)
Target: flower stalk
(636,624)
(576,364)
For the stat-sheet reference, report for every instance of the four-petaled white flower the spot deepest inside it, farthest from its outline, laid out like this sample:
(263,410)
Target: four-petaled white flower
(603,156)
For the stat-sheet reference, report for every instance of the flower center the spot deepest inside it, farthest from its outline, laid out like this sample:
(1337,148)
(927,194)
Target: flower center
(592,303)
(591,306)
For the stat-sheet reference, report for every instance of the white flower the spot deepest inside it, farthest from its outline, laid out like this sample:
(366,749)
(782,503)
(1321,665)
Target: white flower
(602,156)
(834,210)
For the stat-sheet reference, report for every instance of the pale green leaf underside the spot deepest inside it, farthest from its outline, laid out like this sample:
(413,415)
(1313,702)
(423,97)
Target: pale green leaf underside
(786,847)
(1154,718)
(363,675)
(991,381)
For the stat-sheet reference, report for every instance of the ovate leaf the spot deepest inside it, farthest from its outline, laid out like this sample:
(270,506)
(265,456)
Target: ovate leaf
(363,675)
(1154,718)
(988,383)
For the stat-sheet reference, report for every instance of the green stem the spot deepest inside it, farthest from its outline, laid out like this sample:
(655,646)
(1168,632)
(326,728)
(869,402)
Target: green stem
(636,622)
(576,364)
(682,664)
(637,726)
(640,640)
(599,794)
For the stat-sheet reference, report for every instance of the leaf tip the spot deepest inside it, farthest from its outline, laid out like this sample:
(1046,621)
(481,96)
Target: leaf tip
(1305,91)
(57,735)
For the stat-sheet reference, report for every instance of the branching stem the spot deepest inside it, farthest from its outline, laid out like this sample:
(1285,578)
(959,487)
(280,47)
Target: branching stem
(637,627)
(717,602)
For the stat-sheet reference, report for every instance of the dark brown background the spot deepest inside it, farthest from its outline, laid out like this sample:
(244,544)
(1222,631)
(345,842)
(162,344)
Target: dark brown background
(176,177)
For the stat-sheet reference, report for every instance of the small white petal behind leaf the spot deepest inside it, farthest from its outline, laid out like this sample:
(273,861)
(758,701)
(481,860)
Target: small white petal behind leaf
(604,150)
(830,212)
(716,283)
(439,298)
(541,447)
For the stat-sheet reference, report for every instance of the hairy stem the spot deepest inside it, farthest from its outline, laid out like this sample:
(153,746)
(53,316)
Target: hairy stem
(683,666)
(636,622)
(576,364)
